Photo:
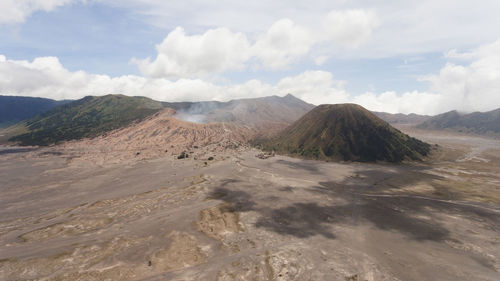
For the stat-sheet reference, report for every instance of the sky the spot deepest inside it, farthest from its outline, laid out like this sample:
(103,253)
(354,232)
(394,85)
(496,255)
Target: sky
(406,56)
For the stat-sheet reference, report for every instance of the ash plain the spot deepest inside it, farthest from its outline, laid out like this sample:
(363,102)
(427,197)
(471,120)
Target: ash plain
(67,214)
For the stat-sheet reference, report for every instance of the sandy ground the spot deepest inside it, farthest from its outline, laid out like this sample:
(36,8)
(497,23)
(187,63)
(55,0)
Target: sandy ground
(68,214)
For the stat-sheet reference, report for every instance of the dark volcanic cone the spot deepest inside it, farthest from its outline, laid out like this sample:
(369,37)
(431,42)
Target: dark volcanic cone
(346,132)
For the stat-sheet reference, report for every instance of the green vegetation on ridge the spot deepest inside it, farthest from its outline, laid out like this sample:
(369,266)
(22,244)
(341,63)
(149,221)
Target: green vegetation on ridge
(346,132)
(87,117)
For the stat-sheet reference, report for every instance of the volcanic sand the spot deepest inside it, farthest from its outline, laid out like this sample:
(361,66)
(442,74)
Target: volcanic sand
(73,212)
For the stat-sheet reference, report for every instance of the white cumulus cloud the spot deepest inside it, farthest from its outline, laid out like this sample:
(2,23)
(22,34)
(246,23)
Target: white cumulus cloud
(16,11)
(46,77)
(316,87)
(285,42)
(408,102)
(468,87)
(181,55)
(282,44)
(350,28)
(472,86)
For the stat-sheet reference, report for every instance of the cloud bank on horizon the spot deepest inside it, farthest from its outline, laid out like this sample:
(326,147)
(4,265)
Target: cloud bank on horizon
(193,66)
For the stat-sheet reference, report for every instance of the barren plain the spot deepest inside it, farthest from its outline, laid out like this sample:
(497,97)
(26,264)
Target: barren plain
(75,212)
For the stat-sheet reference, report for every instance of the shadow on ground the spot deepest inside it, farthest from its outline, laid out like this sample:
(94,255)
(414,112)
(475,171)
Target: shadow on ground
(410,216)
(299,165)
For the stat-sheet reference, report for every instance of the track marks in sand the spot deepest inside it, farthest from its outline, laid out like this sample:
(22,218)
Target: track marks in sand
(219,220)
(272,265)
(70,228)
(109,261)
(183,251)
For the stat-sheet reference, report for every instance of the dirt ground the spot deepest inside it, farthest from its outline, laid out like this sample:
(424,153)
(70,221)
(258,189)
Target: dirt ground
(67,216)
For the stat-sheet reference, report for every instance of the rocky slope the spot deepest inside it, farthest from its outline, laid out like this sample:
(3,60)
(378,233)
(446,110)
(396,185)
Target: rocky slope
(268,115)
(158,135)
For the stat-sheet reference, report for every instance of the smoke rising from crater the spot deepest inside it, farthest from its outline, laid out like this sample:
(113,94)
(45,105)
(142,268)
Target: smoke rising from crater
(198,112)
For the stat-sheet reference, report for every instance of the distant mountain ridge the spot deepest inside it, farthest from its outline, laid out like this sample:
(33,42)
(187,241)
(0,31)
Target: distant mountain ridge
(87,117)
(400,118)
(250,111)
(346,132)
(14,108)
(482,123)
(92,116)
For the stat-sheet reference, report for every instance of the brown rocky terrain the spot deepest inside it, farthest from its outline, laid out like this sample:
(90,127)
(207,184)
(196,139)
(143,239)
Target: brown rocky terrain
(70,213)
(125,206)
(166,133)
(159,135)
(255,112)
